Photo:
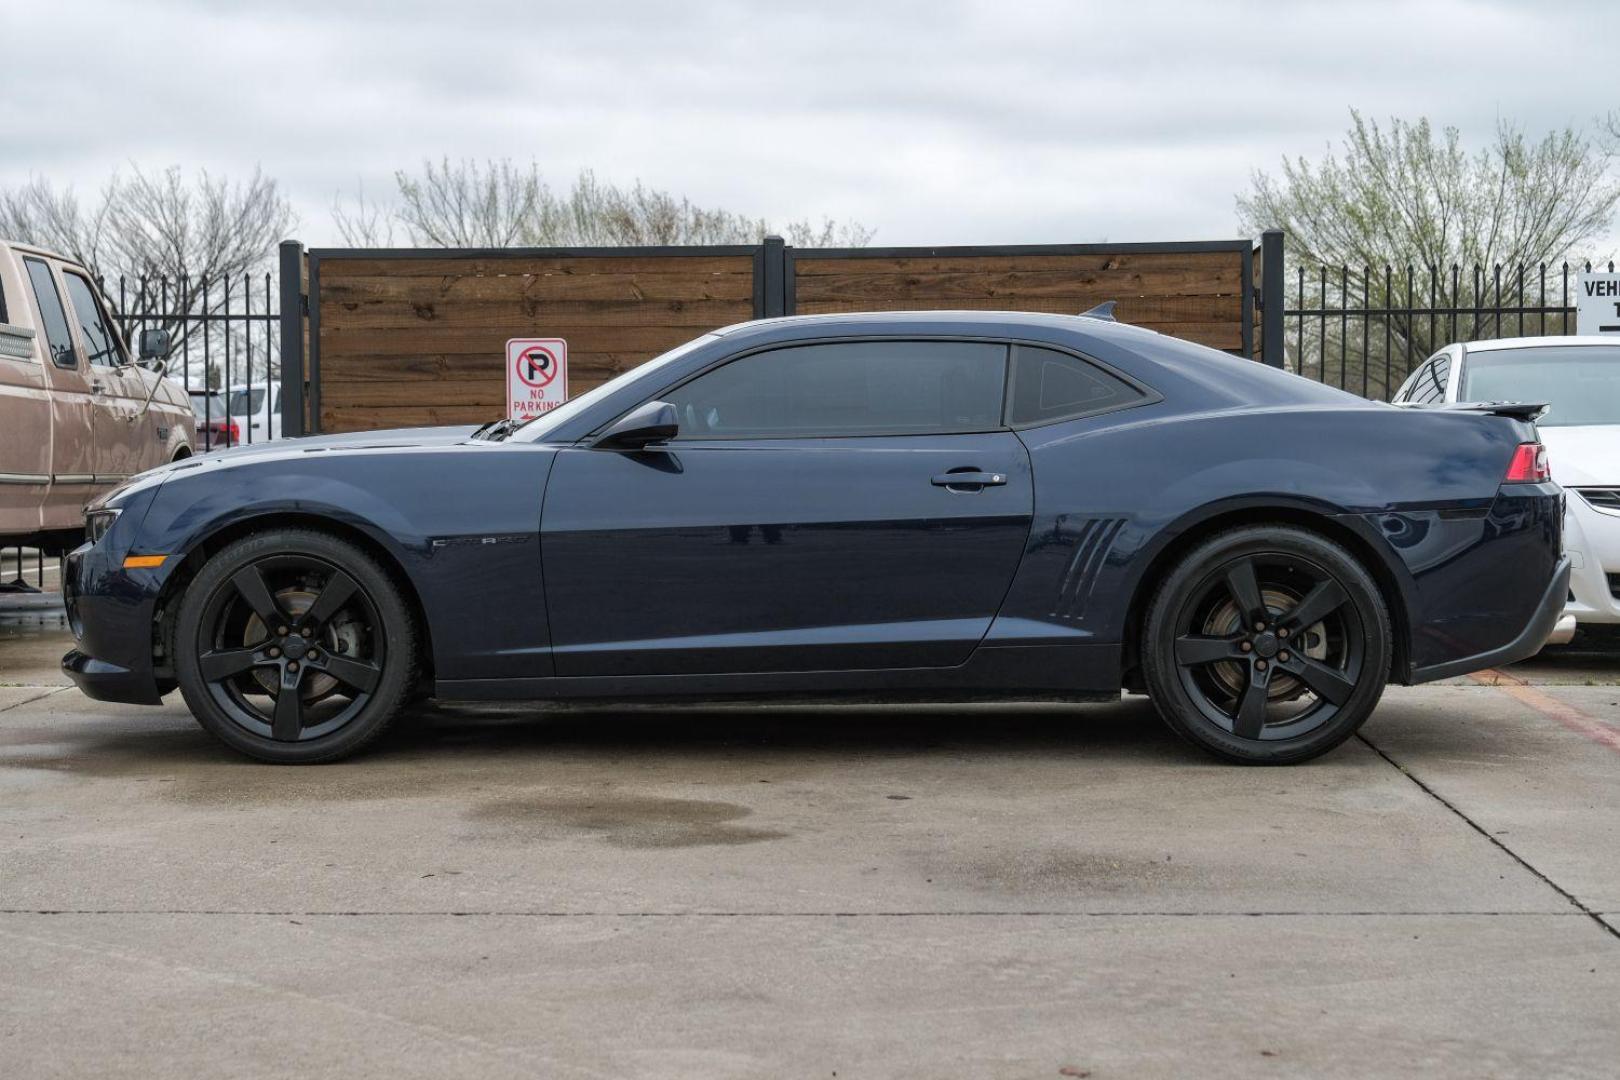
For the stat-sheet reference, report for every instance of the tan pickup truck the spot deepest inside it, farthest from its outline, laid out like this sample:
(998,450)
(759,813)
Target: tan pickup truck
(78,414)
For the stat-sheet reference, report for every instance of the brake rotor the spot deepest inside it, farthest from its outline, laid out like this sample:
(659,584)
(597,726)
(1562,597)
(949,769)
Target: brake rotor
(342,638)
(1225,619)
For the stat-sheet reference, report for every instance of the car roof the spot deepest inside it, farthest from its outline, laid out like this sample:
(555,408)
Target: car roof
(927,322)
(1538,342)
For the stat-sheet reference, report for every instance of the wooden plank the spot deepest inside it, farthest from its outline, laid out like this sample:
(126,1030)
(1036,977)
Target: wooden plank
(926,264)
(336,268)
(1019,284)
(530,315)
(446,367)
(519,288)
(1132,309)
(338,343)
(334,420)
(467,390)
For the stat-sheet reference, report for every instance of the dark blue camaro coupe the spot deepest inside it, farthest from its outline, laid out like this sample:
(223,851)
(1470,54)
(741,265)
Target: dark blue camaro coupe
(936,505)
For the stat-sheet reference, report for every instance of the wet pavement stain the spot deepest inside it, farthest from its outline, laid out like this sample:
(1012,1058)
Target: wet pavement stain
(629,822)
(1067,873)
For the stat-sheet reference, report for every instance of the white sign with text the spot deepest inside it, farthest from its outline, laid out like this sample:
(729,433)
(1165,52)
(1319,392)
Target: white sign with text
(536,376)
(1597,304)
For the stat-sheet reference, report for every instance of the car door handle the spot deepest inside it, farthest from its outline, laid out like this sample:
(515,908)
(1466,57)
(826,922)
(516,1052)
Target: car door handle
(967,480)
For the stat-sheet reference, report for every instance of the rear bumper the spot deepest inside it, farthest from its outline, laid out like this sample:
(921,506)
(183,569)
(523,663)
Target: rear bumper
(1528,642)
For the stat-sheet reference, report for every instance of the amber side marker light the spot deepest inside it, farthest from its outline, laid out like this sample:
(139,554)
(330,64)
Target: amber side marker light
(143,562)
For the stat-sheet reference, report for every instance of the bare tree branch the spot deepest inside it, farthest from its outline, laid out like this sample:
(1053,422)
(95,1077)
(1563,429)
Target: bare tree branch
(500,204)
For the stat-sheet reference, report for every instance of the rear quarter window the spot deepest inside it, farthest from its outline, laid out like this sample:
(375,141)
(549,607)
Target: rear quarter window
(1048,386)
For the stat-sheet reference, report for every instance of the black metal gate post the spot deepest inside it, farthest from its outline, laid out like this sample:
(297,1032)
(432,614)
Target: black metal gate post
(774,259)
(1269,298)
(293,308)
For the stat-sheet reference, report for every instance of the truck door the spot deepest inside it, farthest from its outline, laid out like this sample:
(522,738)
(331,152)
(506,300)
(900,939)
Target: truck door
(75,405)
(127,443)
(25,421)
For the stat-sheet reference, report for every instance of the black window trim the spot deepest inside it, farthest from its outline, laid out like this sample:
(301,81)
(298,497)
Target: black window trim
(45,338)
(1149,396)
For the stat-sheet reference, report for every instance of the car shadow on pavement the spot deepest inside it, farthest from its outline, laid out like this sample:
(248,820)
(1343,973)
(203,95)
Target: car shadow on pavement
(1129,728)
(461,738)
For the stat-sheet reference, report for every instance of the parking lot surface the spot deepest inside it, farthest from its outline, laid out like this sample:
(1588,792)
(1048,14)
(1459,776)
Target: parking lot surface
(741,891)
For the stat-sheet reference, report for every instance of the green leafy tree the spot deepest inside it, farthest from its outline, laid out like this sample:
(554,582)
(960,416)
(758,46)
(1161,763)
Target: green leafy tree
(1404,215)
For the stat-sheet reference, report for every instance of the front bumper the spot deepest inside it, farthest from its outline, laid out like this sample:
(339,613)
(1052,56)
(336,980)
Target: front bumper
(109,682)
(1528,642)
(110,612)
(1592,539)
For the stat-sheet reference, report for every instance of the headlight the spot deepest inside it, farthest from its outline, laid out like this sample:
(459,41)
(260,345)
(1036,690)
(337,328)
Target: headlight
(97,522)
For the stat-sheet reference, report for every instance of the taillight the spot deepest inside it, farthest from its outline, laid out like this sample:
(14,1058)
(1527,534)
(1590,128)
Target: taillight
(1529,465)
(235,434)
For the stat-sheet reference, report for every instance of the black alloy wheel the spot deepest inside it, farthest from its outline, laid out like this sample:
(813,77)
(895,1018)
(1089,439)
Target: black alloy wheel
(1267,645)
(294,647)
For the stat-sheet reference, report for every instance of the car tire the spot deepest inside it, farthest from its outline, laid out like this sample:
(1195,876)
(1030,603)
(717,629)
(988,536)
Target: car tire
(298,610)
(1266,645)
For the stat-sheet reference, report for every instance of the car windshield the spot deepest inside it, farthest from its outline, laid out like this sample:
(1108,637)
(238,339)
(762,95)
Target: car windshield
(1579,383)
(207,404)
(540,426)
(246,402)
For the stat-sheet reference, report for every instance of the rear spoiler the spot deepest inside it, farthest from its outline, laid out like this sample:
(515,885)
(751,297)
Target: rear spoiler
(1518,410)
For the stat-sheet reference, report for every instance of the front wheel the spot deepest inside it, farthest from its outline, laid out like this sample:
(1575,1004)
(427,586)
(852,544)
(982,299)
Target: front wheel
(1267,645)
(294,647)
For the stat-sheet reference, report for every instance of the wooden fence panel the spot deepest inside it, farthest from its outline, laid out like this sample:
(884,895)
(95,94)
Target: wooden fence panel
(1198,295)
(407,340)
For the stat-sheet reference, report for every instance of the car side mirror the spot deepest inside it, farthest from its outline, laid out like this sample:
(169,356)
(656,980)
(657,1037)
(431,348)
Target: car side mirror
(154,344)
(654,422)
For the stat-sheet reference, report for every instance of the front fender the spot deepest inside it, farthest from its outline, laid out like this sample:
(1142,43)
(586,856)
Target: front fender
(460,526)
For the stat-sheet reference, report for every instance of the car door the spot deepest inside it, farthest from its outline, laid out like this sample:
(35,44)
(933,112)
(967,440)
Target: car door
(854,504)
(124,445)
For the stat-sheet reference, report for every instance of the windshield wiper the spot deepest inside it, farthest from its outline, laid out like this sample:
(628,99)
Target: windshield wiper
(496,430)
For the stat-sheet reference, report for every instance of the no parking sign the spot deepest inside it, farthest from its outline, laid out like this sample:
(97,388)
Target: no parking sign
(536,376)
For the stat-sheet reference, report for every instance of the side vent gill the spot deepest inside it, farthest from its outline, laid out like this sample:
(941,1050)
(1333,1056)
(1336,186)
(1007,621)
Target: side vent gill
(1092,542)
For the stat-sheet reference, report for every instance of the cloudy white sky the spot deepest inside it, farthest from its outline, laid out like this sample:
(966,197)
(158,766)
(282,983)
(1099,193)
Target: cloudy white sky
(931,122)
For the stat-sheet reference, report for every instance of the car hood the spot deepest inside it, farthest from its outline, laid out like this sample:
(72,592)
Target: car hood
(389,439)
(396,438)
(1585,456)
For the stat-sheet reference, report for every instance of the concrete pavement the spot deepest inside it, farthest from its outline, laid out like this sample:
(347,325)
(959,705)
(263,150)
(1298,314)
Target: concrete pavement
(996,891)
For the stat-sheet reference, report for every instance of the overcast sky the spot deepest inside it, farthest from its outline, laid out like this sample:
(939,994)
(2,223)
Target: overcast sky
(931,122)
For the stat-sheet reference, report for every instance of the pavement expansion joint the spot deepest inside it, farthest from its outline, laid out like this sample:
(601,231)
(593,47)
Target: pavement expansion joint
(1595,916)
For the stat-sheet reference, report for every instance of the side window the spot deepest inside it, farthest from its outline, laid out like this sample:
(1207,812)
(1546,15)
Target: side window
(57,338)
(3,318)
(848,388)
(1049,385)
(100,341)
(1428,383)
(1405,392)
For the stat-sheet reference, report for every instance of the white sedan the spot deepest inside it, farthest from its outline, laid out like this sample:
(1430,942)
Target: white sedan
(1579,378)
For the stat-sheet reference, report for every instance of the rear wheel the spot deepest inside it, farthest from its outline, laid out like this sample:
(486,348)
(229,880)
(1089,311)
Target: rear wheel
(1267,645)
(294,647)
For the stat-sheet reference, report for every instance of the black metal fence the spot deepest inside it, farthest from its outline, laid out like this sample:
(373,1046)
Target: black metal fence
(225,343)
(1364,329)
(29,570)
